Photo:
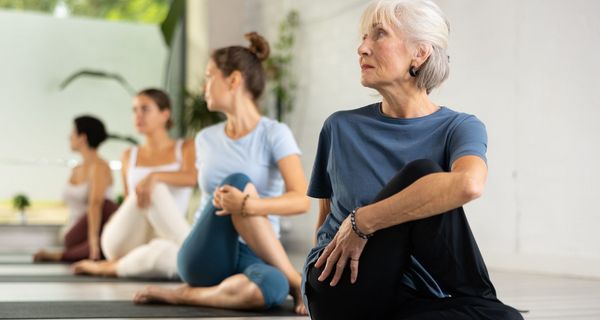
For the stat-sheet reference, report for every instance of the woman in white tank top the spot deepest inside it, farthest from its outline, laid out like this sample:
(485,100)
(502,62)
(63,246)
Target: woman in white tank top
(86,194)
(144,235)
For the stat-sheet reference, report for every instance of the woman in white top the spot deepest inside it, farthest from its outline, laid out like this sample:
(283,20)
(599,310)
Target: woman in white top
(88,190)
(250,173)
(144,235)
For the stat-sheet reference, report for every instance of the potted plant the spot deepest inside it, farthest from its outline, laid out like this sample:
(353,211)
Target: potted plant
(21,203)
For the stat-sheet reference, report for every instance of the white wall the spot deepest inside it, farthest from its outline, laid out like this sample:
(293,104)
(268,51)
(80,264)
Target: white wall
(528,70)
(37,52)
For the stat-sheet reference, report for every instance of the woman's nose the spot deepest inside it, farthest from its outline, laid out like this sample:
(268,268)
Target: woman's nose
(364,49)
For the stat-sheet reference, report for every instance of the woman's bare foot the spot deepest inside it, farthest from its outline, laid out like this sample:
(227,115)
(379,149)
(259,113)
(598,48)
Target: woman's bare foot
(95,268)
(299,307)
(154,294)
(45,256)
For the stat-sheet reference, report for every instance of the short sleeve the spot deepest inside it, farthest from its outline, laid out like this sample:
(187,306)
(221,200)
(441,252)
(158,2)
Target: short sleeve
(320,184)
(468,138)
(283,143)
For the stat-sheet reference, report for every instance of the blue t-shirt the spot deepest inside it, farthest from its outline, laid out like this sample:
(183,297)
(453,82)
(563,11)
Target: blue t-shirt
(255,154)
(359,152)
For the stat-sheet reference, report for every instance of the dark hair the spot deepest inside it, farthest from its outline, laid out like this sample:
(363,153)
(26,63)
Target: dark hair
(161,99)
(93,129)
(248,61)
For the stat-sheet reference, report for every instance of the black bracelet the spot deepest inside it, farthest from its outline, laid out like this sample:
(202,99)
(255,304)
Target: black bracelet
(355,228)
(243,212)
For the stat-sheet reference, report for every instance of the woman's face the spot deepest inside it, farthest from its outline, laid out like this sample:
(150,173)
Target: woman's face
(147,116)
(383,57)
(216,88)
(76,140)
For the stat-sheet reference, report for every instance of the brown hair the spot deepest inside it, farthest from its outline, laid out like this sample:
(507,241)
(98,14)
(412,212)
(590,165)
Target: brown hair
(248,61)
(161,99)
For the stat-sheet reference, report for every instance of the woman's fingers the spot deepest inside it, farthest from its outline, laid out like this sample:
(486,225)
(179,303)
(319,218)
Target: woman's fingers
(353,270)
(340,264)
(331,262)
(325,254)
(222,213)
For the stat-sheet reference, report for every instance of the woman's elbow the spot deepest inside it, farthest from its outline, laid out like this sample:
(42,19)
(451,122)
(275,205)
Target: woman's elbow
(302,204)
(472,188)
(305,204)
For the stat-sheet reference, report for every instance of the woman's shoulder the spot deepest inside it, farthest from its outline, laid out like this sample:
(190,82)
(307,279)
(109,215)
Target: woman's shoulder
(210,130)
(272,125)
(459,117)
(350,115)
(102,164)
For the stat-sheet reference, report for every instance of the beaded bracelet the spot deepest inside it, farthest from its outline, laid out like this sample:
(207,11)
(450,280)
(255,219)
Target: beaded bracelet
(242,211)
(355,228)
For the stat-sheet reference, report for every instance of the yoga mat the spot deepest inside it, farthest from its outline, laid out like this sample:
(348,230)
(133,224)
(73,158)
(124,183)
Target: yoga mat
(67,278)
(124,309)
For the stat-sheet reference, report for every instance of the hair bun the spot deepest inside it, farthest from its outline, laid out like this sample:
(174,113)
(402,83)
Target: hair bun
(258,45)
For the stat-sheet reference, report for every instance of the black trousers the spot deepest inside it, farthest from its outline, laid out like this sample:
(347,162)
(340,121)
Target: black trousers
(443,244)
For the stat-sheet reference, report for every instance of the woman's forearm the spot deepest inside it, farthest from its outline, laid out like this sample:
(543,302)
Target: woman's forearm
(431,195)
(94,220)
(179,179)
(289,203)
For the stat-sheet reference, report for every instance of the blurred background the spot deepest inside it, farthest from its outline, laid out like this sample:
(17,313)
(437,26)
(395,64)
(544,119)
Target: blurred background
(526,68)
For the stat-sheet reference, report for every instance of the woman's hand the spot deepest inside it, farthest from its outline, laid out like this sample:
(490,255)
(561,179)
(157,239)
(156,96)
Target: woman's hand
(345,246)
(228,199)
(143,191)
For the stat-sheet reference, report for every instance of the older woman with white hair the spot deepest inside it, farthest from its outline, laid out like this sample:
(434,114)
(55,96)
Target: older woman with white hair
(393,240)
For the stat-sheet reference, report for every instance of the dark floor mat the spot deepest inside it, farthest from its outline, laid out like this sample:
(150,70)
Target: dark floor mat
(124,309)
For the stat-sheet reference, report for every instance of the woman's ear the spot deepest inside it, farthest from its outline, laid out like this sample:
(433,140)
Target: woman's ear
(83,138)
(421,54)
(166,113)
(235,80)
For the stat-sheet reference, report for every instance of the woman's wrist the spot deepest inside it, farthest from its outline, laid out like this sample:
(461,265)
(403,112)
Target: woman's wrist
(359,230)
(365,222)
(251,205)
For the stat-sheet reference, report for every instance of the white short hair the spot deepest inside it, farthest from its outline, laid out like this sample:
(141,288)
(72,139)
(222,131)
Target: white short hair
(423,23)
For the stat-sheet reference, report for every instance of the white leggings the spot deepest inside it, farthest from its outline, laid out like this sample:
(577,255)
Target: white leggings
(146,241)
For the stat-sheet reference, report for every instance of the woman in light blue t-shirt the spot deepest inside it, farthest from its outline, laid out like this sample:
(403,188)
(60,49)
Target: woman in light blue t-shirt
(250,172)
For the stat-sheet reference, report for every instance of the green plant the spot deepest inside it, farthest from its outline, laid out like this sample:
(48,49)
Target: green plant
(21,202)
(279,65)
(120,198)
(197,115)
(98,74)
(145,11)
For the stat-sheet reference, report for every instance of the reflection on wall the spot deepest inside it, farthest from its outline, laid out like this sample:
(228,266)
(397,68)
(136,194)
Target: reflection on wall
(38,53)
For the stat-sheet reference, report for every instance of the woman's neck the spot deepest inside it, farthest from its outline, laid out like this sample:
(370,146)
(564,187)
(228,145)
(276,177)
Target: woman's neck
(89,155)
(158,140)
(406,102)
(243,118)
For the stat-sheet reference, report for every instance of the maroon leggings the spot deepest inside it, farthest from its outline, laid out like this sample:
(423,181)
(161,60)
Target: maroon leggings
(76,240)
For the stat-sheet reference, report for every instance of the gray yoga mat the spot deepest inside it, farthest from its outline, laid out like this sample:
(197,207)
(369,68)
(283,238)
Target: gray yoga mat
(67,278)
(124,309)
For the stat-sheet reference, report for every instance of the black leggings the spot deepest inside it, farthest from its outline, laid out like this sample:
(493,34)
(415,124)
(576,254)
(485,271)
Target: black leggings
(445,247)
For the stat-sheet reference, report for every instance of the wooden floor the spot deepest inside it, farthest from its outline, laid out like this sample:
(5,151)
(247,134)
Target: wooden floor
(545,297)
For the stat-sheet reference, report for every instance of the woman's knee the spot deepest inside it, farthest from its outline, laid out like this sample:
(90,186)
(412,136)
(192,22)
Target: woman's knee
(408,175)
(110,249)
(272,283)
(237,180)
(423,167)
(159,190)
